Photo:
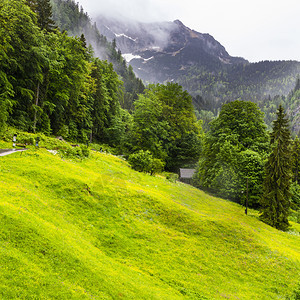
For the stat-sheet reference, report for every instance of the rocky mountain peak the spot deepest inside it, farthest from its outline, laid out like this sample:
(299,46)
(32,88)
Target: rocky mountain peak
(178,22)
(161,51)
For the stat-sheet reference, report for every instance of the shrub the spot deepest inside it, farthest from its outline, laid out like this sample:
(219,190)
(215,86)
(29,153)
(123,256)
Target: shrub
(172,177)
(295,198)
(143,161)
(85,151)
(75,152)
(295,216)
(157,166)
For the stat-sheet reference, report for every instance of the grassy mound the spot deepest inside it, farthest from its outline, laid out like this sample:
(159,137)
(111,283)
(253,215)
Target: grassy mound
(95,229)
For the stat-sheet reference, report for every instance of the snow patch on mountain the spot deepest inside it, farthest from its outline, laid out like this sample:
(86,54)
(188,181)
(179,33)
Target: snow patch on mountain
(147,59)
(126,36)
(129,57)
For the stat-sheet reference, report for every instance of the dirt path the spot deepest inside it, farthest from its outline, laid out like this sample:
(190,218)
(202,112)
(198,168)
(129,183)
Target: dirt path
(4,152)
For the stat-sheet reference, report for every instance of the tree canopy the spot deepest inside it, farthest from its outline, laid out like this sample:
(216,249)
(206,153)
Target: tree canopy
(165,124)
(233,152)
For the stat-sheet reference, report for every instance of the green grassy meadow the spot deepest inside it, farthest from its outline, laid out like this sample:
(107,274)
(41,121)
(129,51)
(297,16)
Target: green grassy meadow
(96,229)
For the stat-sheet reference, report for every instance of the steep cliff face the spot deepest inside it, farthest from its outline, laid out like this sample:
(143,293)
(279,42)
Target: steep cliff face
(163,51)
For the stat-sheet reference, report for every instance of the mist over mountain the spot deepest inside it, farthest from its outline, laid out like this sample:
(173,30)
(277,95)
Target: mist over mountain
(163,51)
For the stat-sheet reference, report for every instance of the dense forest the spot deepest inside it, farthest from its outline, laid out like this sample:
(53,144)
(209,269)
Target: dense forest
(267,83)
(53,81)
(71,18)
(50,80)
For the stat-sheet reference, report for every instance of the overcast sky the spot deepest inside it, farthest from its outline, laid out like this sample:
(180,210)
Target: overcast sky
(254,29)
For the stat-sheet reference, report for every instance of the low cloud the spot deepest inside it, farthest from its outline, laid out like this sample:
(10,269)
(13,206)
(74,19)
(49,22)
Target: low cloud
(137,10)
(240,26)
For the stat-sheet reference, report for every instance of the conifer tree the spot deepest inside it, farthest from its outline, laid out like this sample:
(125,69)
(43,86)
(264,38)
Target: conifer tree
(275,202)
(44,12)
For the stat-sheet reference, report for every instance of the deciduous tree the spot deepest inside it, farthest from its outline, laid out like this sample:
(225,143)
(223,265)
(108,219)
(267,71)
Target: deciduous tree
(165,124)
(233,151)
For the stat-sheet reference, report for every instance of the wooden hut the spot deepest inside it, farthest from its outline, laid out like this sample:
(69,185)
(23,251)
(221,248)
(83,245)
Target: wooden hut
(186,175)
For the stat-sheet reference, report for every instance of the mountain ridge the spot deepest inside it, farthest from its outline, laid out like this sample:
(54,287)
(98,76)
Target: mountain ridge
(168,45)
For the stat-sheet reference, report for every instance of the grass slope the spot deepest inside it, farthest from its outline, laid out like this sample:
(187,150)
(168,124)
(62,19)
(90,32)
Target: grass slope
(95,229)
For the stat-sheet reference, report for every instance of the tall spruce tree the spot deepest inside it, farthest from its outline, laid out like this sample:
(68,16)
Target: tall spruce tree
(275,202)
(44,12)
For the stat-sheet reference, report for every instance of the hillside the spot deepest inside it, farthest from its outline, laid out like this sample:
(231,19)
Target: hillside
(94,228)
